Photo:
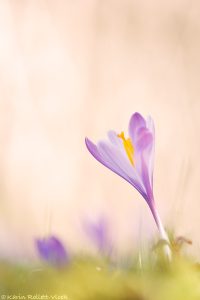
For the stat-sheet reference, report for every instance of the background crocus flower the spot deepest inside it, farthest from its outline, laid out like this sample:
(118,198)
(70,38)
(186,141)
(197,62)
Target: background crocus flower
(98,232)
(52,251)
(132,158)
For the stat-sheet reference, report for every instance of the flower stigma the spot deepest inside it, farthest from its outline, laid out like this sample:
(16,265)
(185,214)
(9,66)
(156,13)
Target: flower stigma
(128,146)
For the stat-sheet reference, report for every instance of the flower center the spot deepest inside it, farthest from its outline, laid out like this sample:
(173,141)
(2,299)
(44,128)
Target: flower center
(128,146)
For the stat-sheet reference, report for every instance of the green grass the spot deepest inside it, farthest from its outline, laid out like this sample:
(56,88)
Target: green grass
(89,278)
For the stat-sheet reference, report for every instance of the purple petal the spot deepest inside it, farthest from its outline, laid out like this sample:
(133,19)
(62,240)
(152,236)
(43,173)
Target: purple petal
(136,122)
(150,126)
(121,164)
(146,181)
(104,158)
(142,136)
(114,139)
(93,150)
(144,140)
(144,162)
(52,251)
(113,158)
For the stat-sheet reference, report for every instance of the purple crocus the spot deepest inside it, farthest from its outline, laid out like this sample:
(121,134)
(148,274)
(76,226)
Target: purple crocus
(132,158)
(98,233)
(52,251)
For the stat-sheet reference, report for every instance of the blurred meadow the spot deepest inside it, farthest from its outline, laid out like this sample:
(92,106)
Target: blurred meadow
(70,69)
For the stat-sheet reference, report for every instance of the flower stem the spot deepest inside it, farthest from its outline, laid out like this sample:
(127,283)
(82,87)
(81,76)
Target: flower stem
(162,232)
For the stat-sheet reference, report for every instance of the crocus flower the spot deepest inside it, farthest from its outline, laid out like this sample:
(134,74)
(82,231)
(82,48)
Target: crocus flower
(132,158)
(52,251)
(98,233)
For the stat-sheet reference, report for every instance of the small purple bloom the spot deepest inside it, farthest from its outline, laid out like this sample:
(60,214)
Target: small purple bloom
(98,233)
(52,251)
(132,158)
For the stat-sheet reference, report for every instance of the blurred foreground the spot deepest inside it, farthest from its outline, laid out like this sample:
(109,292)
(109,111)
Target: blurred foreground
(143,276)
(97,279)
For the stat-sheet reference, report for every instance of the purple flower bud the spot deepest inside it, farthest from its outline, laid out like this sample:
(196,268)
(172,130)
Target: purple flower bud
(52,251)
(99,234)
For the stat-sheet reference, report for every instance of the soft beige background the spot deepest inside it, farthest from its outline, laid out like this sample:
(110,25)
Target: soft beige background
(75,68)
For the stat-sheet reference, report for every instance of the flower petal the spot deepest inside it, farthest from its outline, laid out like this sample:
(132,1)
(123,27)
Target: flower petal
(93,150)
(114,159)
(144,147)
(144,139)
(150,126)
(114,139)
(146,179)
(121,164)
(104,158)
(136,122)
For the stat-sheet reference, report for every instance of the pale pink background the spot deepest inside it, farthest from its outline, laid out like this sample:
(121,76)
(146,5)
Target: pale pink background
(75,68)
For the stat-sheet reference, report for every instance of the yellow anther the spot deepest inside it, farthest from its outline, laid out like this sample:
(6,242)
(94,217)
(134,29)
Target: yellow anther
(128,146)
